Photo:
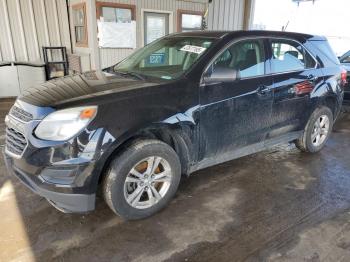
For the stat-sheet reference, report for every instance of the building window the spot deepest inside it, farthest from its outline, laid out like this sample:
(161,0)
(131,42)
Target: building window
(189,20)
(79,23)
(113,12)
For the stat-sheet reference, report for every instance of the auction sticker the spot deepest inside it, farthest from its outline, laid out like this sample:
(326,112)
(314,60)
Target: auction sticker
(193,49)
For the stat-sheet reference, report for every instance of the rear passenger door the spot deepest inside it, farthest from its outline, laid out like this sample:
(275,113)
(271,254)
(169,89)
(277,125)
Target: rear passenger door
(295,74)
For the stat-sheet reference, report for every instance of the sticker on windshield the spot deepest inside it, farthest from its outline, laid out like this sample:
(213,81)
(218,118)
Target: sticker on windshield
(193,49)
(156,59)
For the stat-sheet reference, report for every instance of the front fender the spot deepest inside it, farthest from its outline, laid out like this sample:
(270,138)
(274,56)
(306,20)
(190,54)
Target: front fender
(179,131)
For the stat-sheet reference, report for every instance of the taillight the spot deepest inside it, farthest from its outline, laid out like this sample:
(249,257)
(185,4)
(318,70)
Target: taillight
(343,77)
(303,88)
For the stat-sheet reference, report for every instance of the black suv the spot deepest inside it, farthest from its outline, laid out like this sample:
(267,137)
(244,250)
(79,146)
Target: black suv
(183,103)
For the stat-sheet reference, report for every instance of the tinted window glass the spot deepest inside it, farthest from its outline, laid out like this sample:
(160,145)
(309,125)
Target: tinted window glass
(346,59)
(290,56)
(246,57)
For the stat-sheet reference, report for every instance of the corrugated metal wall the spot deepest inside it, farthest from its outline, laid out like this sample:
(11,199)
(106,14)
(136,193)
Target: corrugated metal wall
(110,56)
(27,25)
(226,15)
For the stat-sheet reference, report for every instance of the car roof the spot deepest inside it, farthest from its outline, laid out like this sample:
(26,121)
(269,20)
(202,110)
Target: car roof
(251,33)
(210,34)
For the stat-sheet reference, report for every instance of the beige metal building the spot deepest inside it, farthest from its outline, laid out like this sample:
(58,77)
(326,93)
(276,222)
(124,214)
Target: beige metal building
(83,25)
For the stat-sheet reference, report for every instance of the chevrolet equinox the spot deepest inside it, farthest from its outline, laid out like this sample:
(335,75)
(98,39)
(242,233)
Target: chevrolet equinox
(182,103)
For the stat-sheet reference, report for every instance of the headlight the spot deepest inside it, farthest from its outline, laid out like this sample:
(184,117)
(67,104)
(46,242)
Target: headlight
(65,124)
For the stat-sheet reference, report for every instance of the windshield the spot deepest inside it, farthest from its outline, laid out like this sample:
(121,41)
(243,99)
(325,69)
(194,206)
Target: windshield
(168,58)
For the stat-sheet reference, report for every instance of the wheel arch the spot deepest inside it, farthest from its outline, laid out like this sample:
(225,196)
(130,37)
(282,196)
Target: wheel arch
(331,102)
(176,136)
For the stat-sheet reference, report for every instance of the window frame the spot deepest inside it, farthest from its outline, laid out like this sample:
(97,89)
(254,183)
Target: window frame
(181,12)
(83,43)
(223,49)
(286,40)
(99,6)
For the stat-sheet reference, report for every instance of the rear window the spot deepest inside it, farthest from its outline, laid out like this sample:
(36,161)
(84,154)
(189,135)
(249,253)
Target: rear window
(326,49)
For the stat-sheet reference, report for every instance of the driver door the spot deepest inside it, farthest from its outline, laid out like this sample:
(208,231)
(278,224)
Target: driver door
(236,107)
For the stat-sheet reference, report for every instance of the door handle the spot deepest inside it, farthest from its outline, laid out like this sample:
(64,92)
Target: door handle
(312,78)
(263,90)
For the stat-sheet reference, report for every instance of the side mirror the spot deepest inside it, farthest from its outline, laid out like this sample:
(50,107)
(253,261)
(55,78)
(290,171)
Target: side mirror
(221,75)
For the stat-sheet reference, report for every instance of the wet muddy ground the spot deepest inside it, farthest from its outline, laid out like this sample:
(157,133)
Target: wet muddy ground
(279,205)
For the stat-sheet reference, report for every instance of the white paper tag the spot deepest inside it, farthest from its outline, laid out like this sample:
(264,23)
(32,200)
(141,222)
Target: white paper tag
(193,49)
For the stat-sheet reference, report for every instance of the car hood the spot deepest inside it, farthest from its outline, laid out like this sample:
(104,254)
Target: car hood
(80,87)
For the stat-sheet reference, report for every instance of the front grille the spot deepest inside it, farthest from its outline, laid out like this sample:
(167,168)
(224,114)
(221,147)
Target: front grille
(21,114)
(15,141)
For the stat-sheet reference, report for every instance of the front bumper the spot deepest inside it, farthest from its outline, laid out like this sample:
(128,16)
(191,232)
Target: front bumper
(65,173)
(65,202)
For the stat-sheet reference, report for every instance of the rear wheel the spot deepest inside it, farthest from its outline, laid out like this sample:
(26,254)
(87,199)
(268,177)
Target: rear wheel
(142,180)
(317,131)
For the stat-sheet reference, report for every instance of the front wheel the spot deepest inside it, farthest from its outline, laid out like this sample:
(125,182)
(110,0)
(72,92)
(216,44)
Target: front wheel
(317,131)
(142,179)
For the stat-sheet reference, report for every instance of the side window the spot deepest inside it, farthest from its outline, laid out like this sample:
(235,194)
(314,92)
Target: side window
(346,59)
(247,58)
(290,56)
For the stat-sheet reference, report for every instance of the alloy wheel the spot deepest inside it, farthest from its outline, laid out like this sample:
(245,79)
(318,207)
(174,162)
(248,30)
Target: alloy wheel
(320,130)
(147,182)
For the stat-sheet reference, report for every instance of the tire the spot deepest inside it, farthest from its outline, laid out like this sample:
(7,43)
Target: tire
(117,187)
(307,142)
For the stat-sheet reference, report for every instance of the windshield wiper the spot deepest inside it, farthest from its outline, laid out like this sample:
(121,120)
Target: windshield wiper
(133,74)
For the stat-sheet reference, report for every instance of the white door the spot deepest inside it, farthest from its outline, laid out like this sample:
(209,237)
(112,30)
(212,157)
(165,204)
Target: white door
(9,85)
(156,25)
